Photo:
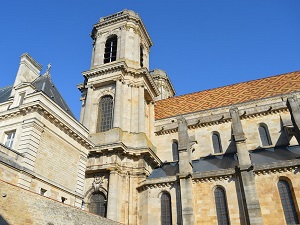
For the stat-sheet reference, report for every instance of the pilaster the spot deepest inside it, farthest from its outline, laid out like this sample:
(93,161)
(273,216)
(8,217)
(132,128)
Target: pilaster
(113,205)
(118,104)
(80,179)
(141,109)
(29,144)
(30,140)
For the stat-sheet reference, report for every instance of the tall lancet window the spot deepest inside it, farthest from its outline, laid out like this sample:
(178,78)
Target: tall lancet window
(221,206)
(287,202)
(110,52)
(105,113)
(166,210)
(264,135)
(216,141)
(175,152)
(98,204)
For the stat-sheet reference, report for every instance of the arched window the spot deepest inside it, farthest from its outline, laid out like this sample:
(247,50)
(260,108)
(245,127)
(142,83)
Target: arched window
(110,52)
(166,212)
(105,113)
(98,204)
(141,56)
(264,135)
(216,142)
(287,202)
(221,206)
(175,150)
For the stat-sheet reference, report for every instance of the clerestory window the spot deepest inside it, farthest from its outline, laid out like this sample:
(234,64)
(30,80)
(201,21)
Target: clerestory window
(175,150)
(221,206)
(166,210)
(216,141)
(105,113)
(287,202)
(110,52)
(264,135)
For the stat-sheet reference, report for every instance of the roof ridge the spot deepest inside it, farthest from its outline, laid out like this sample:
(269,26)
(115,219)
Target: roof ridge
(260,88)
(230,85)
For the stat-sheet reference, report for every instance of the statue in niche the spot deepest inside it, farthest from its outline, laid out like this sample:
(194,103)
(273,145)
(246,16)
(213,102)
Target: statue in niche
(98,181)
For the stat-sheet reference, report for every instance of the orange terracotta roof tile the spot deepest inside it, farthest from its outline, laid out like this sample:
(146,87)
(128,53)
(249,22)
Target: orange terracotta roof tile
(228,95)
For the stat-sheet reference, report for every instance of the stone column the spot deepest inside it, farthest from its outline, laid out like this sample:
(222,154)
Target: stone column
(113,201)
(185,173)
(141,109)
(118,104)
(293,106)
(245,175)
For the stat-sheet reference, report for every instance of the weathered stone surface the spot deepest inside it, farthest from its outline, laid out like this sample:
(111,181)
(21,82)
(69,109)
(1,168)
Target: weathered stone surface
(21,207)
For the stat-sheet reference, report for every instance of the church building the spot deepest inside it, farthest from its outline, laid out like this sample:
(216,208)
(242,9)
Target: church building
(139,155)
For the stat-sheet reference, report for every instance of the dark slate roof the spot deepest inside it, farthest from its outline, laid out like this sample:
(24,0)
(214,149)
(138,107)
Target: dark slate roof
(44,83)
(167,169)
(215,162)
(270,155)
(5,93)
(226,161)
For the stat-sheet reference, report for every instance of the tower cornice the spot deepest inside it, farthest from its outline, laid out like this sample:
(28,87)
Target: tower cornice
(125,15)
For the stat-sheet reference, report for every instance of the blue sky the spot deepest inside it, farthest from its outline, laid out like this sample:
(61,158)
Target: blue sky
(201,44)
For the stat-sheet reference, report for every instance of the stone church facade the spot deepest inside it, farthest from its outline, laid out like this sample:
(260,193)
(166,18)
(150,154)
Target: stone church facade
(141,155)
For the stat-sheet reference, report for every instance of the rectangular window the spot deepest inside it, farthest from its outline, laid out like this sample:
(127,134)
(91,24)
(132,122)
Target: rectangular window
(9,138)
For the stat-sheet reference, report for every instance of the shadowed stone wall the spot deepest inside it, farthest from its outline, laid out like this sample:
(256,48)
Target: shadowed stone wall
(21,207)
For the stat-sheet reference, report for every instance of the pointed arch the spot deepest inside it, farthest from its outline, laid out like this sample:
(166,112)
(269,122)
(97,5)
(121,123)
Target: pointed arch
(166,209)
(221,206)
(264,135)
(287,202)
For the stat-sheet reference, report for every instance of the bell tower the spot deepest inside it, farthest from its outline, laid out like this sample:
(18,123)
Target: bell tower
(121,37)
(118,96)
(119,69)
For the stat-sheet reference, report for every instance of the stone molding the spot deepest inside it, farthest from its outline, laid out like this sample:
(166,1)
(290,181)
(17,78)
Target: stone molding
(277,167)
(42,109)
(211,176)
(121,66)
(168,182)
(127,16)
(215,119)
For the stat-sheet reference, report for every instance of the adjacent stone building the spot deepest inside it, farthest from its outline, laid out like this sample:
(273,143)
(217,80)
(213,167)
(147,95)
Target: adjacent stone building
(141,155)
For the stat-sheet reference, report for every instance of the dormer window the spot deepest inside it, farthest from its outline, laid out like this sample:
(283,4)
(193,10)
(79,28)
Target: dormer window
(21,98)
(110,52)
